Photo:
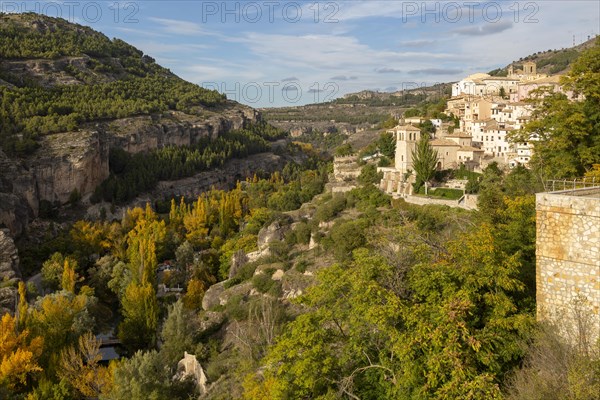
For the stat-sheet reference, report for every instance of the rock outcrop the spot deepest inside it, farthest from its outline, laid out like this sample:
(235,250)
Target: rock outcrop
(9,273)
(274,232)
(189,366)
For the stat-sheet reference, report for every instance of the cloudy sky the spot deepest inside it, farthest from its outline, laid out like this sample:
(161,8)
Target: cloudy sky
(274,53)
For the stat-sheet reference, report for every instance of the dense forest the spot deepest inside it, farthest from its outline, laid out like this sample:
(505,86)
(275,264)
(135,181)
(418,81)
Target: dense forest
(132,175)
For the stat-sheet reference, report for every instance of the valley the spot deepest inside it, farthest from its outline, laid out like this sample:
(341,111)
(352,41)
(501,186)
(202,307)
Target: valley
(223,251)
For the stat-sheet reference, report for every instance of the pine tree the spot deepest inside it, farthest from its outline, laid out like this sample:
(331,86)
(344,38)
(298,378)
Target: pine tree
(424,162)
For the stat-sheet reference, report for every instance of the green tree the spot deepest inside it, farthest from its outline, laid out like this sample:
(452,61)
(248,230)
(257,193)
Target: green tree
(462,327)
(52,270)
(140,317)
(338,346)
(369,175)
(568,131)
(178,333)
(146,376)
(344,150)
(424,162)
(185,254)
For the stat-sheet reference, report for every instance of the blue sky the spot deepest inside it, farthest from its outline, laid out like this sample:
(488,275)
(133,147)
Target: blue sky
(276,53)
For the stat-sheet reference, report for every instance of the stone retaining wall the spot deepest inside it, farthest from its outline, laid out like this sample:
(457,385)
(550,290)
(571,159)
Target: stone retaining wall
(568,262)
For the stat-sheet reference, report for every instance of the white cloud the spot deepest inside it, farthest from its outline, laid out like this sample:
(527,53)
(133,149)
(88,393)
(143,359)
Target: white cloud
(387,70)
(178,27)
(487,28)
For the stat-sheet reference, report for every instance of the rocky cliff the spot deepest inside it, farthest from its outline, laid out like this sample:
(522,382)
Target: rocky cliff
(78,160)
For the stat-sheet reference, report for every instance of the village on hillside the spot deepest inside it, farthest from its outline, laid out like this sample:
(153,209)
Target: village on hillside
(488,108)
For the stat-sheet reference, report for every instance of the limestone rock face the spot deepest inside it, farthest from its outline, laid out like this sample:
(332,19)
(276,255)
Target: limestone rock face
(14,213)
(218,295)
(210,321)
(189,366)
(69,161)
(223,177)
(9,259)
(238,260)
(9,272)
(274,232)
(211,296)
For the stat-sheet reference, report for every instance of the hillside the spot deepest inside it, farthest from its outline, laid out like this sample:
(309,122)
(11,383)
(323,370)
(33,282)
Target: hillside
(70,97)
(355,117)
(301,281)
(551,61)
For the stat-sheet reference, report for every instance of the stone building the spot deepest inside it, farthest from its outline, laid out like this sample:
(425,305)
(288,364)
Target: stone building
(568,262)
(407,137)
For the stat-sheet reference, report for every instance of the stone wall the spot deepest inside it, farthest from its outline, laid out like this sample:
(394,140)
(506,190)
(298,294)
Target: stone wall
(345,169)
(568,262)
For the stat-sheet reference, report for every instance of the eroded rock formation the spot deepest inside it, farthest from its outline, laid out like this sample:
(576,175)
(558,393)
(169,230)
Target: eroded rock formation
(80,160)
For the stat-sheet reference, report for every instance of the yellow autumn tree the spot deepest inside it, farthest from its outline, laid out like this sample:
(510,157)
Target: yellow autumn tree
(176,215)
(143,241)
(23,306)
(594,173)
(60,318)
(18,354)
(192,299)
(196,222)
(69,277)
(91,237)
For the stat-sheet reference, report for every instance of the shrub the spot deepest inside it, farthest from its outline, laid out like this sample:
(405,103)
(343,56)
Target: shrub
(237,308)
(369,175)
(302,233)
(262,282)
(330,209)
(301,266)
(346,236)
(243,274)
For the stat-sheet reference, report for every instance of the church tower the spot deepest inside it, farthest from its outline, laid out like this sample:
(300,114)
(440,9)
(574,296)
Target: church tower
(407,137)
(529,68)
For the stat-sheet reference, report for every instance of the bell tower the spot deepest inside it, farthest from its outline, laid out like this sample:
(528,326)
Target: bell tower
(407,137)
(529,68)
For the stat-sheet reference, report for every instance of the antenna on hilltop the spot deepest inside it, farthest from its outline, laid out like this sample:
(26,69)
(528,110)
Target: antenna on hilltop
(573,40)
